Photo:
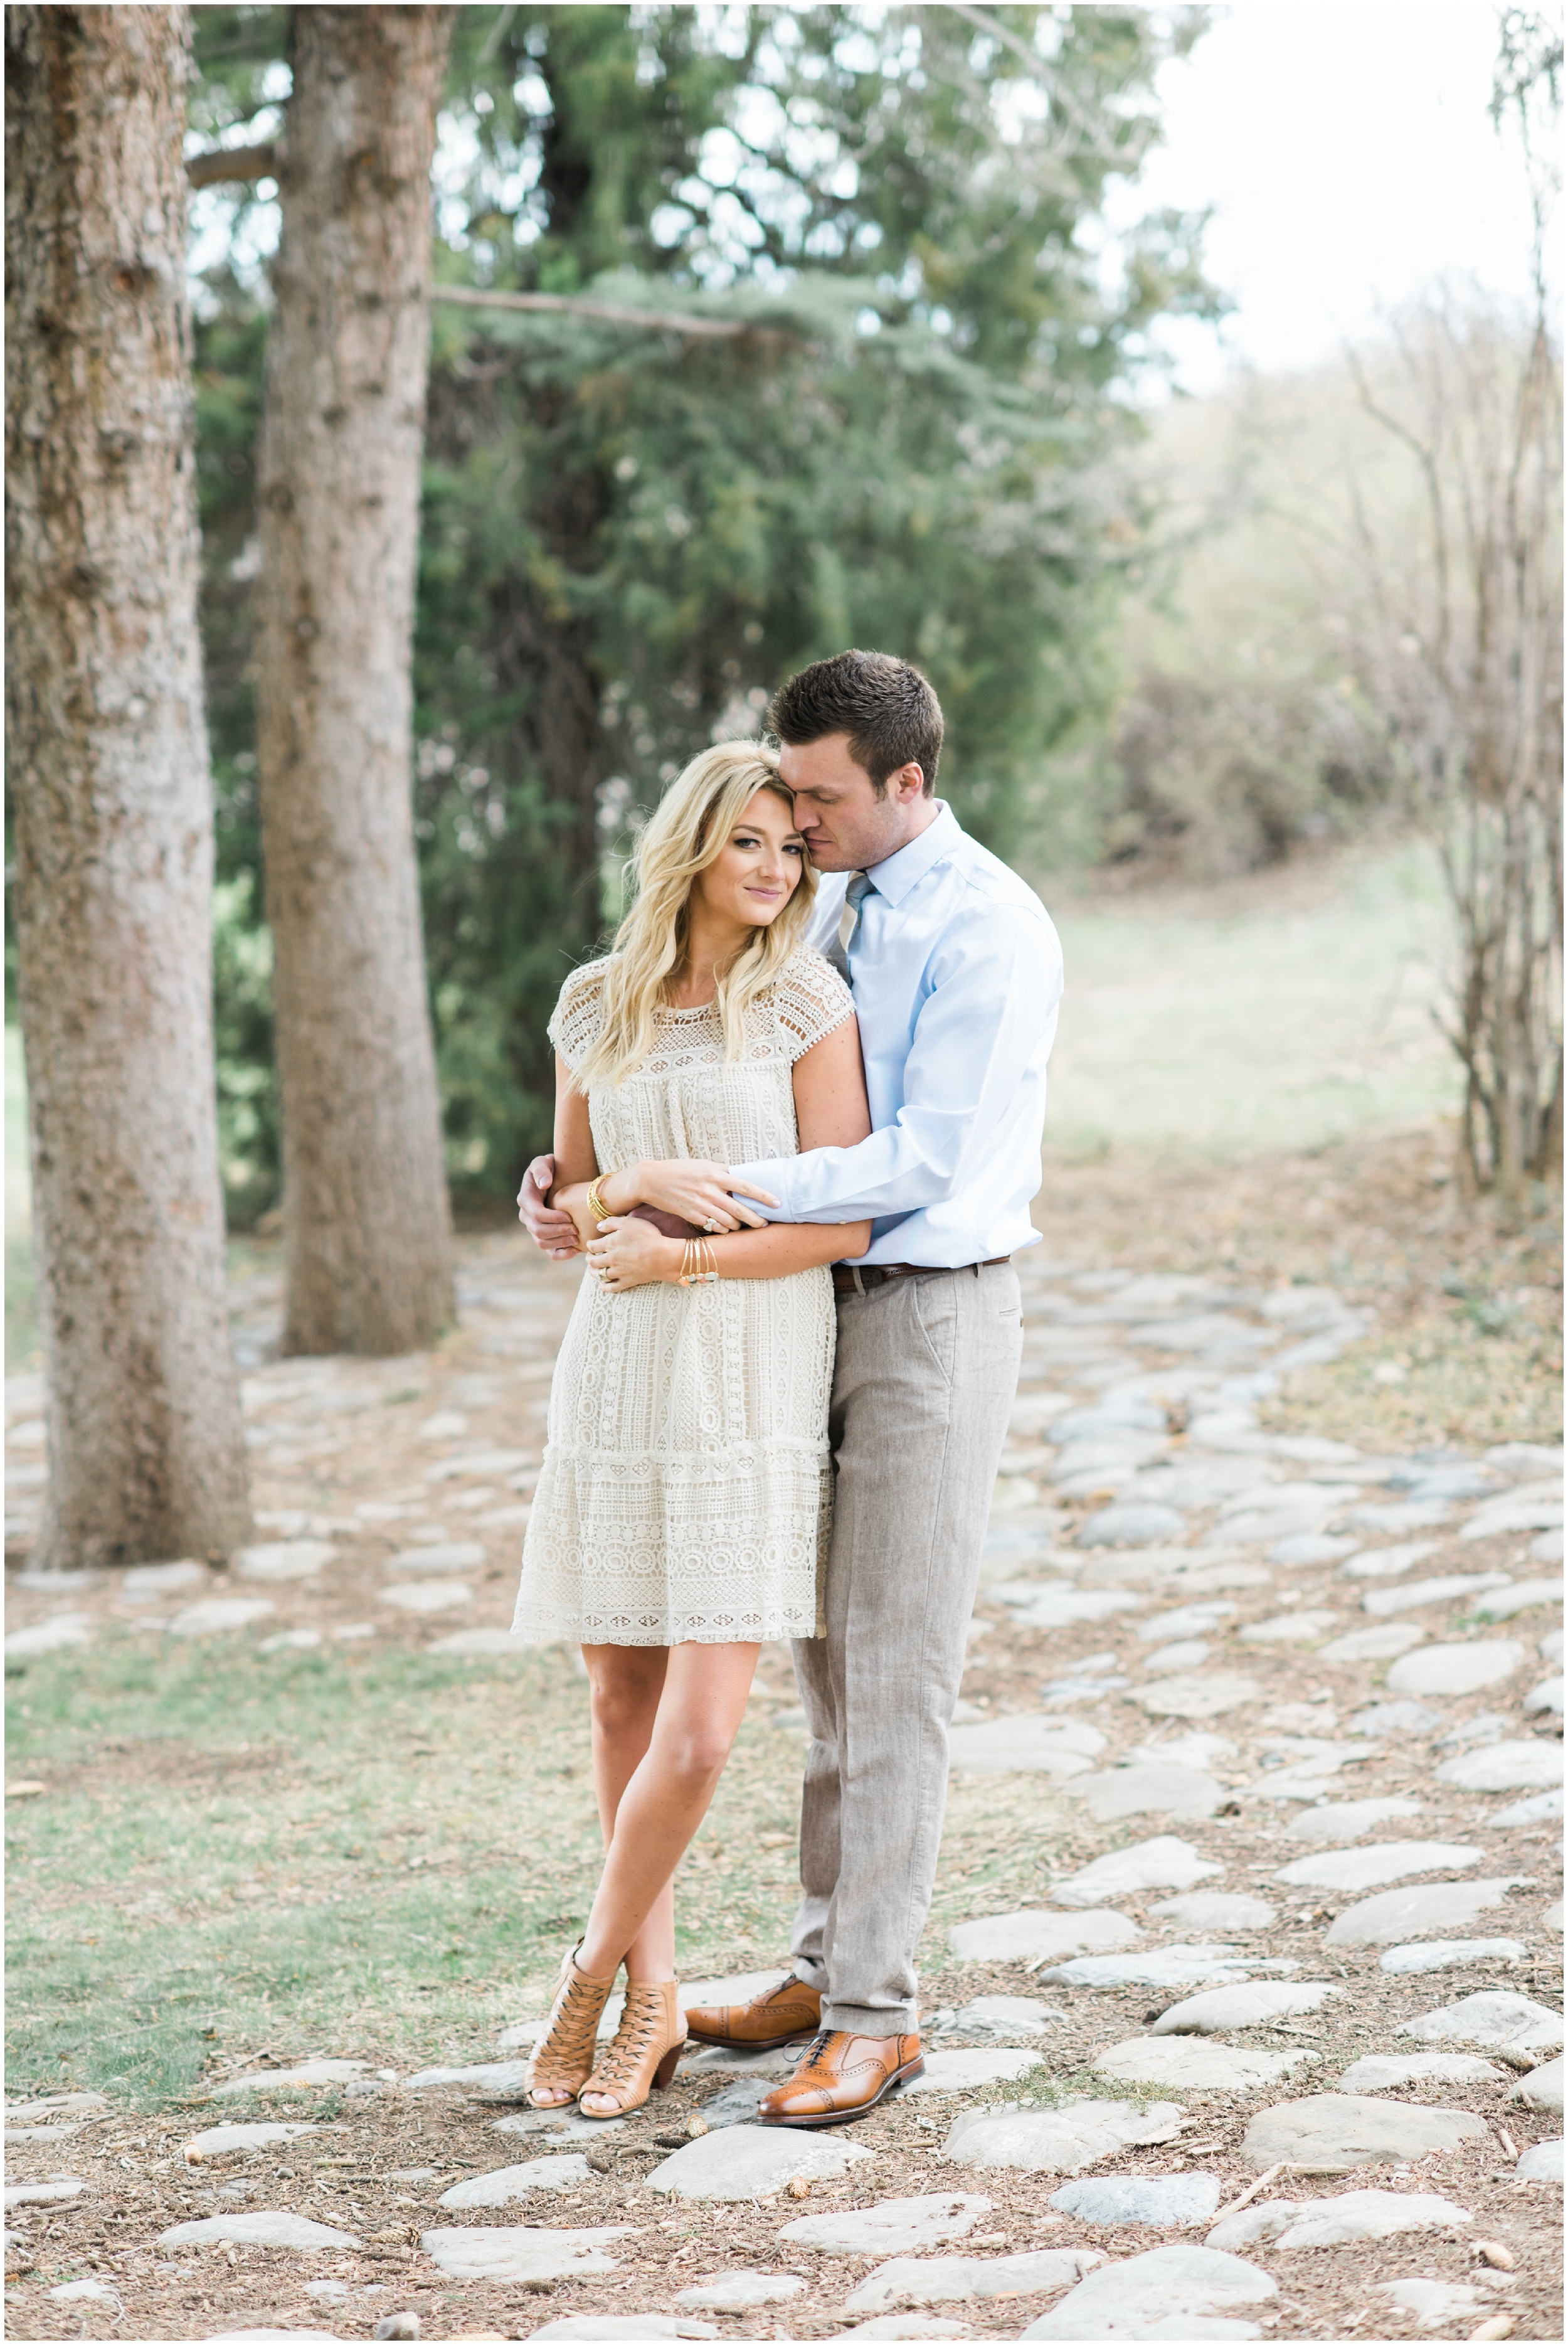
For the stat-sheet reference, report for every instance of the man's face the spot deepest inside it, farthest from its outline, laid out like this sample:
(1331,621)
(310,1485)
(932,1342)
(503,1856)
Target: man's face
(845,824)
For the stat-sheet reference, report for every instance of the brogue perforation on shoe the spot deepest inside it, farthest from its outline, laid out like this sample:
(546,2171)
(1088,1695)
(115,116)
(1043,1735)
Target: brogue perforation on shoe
(841,2077)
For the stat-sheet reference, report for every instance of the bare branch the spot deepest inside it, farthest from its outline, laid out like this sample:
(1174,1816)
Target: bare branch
(666,322)
(225,163)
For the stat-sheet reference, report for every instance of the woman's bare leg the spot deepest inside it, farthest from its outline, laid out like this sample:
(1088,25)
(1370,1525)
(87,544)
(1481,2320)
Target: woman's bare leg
(656,1763)
(625,1683)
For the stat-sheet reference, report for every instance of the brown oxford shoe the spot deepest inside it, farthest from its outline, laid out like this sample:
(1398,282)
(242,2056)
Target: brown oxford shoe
(784,2015)
(842,2076)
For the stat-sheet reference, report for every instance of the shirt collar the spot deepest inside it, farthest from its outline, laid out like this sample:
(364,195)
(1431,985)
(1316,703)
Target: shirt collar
(904,870)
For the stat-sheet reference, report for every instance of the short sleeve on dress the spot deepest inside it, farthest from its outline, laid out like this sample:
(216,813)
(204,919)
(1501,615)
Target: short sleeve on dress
(810,999)
(574,1028)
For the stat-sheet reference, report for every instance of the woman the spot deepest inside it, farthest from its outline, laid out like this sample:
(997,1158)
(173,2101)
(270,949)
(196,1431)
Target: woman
(683,1512)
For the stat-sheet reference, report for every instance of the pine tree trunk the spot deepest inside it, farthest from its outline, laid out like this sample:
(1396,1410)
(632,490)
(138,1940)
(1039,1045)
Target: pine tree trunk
(365,1215)
(112,793)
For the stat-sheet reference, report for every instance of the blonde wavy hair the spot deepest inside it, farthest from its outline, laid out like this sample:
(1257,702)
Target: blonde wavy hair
(690,831)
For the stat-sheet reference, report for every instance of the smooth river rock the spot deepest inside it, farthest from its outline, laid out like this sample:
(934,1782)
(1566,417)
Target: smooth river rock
(216,1615)
(1176,2292)
(507,2253)
(508,2184)
(1179,2064)
(1365,1868)
(1131,1526)
(1342,1821)
(1173,2201)
(1006,1746)
(1540,1807)
(1456,1668)
(1493,2016)
(283,1560)
(427,1595)
(1338,2222)
(964,2071)
(261,2229)
(1518,1595)
(1543,2087)
(1034,1936)
(1252,2006)
(1188,1966)
(893,2225)
(1522,1766)
(947,2280)
(305,2076)
(1403,1913)
(1412,1595)
(1304,1627)
(1059,2141)
(1349,2129)
(749,2161)
(1216,1909)
(1207,1695)
(1380,1644)
(218,2141)
(1163,1863)
(1380,2072)
(443,1555)
(1449,1953)
(48,1636)
(1541,2163)
(1147,1791)
(740,2292)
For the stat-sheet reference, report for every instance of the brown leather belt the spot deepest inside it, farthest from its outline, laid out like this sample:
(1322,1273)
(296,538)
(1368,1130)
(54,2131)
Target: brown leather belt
(849,1279)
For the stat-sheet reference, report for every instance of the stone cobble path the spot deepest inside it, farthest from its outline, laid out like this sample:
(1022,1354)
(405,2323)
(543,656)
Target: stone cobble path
(1259,1729)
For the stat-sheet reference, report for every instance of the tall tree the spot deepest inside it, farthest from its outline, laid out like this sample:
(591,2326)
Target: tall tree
(366,1216)
(891,430)
(111,792)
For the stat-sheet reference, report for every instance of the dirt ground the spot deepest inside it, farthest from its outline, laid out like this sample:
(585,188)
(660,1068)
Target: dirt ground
(373,1845)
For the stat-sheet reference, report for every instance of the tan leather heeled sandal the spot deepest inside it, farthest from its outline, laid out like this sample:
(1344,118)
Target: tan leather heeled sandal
(642,2056)
(566,2049)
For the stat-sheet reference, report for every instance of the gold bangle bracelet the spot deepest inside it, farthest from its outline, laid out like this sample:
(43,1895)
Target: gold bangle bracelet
(596,1206)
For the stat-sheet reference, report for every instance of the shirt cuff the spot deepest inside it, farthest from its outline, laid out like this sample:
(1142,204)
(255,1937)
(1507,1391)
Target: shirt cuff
(776,1179)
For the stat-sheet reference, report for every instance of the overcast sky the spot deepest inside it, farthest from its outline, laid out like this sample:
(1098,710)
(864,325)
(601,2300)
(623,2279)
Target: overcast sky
(1350,159)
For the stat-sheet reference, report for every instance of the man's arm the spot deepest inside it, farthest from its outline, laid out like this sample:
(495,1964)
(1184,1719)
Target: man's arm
(990,1016)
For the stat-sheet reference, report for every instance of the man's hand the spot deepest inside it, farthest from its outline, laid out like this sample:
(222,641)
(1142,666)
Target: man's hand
(706,1195)
(554,1233)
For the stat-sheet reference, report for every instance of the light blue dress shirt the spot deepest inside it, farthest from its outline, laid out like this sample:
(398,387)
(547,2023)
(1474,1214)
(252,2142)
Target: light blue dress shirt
(957,973)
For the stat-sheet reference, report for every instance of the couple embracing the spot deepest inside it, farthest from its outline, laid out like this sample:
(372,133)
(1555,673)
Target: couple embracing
(797,1135)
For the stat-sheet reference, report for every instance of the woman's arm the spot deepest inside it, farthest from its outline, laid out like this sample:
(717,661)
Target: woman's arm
(832,1111)
(575,1161)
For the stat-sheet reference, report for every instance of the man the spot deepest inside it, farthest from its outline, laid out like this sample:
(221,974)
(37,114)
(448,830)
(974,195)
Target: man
(956,975)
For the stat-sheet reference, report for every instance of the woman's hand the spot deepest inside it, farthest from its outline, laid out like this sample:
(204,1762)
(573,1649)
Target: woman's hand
(706,1195)
(628,1251)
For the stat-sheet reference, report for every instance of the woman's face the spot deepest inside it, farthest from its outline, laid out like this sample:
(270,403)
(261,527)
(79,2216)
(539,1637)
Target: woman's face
(760,866)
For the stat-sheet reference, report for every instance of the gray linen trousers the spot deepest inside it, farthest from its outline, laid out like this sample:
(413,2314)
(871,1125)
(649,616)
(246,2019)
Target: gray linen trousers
(926,1370)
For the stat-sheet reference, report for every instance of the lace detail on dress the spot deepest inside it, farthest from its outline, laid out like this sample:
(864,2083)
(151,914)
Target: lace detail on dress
(808,999)
(686,1489)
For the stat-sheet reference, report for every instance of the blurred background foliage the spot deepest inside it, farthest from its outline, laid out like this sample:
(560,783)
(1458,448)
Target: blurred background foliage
(940,434)
(631,535)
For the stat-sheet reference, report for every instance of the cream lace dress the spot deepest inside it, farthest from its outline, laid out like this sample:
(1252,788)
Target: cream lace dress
(686,1492)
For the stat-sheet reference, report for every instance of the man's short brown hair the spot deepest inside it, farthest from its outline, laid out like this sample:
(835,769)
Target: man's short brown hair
(886,707)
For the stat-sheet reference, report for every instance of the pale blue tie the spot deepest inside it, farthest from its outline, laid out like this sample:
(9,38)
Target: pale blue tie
(855,896)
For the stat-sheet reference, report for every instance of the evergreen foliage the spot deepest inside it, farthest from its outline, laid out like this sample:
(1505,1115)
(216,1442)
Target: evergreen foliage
(630,536)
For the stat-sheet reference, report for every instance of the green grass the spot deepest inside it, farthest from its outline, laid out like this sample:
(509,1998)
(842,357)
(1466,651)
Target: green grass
(1299,1014)
(376,1855)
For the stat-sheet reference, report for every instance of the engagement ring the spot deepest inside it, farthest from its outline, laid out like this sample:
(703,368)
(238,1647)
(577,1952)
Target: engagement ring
(708,1225)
